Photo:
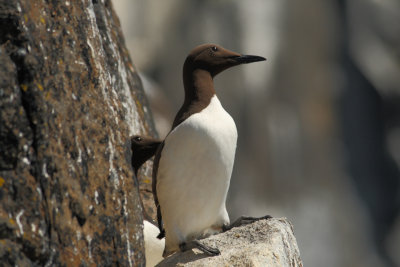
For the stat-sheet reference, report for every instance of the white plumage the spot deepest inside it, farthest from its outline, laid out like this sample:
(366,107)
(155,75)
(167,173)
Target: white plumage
(194,174)
(153,246)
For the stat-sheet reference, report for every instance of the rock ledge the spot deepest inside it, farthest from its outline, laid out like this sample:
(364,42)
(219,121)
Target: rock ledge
(265,243)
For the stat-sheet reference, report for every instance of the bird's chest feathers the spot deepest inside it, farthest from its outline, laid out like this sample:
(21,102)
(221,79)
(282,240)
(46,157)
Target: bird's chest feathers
(212,127)
(210,133)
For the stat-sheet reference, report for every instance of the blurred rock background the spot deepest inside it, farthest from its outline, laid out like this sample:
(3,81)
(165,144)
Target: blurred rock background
(318,123)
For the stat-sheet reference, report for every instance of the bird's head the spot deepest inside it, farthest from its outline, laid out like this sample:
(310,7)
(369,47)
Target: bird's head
(143,148)
(215,59)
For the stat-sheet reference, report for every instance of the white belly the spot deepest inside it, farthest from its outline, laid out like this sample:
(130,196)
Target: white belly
(194,174)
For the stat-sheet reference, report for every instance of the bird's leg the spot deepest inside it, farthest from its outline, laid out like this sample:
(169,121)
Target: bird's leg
(196,244)
(243,220)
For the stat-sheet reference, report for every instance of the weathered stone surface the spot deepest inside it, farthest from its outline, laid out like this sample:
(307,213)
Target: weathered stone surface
(264,243)
(69,100)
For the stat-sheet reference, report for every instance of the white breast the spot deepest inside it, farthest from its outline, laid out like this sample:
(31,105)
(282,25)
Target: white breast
(194,174)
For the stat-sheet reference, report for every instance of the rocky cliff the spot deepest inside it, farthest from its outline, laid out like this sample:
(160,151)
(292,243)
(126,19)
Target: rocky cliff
(69,100)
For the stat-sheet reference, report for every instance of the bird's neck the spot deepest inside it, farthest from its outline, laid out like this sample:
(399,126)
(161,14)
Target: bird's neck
(199,86)
(199,89)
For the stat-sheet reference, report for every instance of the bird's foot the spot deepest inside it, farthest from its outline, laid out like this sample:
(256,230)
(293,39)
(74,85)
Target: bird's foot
(243,220)
(196,244)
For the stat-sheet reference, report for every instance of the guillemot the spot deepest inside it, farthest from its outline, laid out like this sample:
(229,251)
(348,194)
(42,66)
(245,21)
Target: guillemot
(143,148)
(193,165)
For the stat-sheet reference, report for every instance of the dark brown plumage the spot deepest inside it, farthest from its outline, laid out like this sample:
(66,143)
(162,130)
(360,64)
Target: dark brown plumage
(143,148)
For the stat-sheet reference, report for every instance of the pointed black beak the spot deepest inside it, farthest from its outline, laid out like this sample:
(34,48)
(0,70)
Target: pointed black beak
(244,59)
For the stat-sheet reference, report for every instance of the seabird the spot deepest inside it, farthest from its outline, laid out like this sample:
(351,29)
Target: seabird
(143,148)
(193,165)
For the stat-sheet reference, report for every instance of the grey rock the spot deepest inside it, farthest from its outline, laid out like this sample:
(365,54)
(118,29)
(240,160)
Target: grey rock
(264,243)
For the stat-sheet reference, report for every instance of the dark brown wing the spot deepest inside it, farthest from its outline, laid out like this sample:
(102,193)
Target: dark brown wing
(154,185)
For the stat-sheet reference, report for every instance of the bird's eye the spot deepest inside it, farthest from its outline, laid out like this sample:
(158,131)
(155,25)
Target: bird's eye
(138,138)
(214,48)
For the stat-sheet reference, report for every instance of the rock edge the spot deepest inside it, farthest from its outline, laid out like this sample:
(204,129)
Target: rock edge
(264,243)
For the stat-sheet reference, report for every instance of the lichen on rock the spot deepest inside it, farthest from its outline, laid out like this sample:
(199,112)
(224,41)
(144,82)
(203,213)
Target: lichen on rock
(70,99)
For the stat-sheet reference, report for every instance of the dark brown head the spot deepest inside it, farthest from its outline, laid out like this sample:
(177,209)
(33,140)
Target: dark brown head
(215,59)
(143,148)
(201,65)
